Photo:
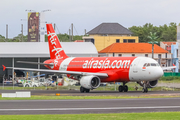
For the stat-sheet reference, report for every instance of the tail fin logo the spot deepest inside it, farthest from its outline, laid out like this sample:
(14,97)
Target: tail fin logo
(55,49)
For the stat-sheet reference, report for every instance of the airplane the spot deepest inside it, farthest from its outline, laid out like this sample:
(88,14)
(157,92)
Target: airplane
(91,71)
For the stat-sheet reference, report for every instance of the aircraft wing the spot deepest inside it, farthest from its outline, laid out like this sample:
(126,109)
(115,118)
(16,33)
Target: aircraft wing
(168,68)
(60,72)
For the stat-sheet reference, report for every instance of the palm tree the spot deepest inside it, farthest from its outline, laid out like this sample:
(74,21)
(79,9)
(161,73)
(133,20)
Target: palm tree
(152,37)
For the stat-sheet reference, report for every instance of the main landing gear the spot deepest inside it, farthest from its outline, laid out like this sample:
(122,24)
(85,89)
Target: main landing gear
(82,90)
(123,88)
(145,89)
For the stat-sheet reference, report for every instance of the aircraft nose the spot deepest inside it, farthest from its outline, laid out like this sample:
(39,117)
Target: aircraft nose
(159,72)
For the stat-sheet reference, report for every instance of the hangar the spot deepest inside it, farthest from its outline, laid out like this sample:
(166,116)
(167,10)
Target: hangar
(10,52)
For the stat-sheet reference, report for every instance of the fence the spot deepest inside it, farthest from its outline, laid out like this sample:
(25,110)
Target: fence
(163,85)
(166,74)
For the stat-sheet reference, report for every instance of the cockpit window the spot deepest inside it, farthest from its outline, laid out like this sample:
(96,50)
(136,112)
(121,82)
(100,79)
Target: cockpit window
(145,65)
(148,64)
(153,64)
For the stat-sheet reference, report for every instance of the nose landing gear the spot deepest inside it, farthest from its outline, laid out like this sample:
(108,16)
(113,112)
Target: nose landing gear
(123,88)
(145,89)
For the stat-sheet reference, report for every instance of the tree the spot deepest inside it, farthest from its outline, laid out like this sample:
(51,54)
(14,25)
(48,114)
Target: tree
(65,37)
(164,33)
(153,37)
(2,38)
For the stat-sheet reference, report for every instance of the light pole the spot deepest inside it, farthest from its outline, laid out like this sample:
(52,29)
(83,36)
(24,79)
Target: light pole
(22,30)
(152,37)
(45,10)
(30,10)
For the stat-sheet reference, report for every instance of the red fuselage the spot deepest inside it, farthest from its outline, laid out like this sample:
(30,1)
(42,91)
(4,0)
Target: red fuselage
(117,68)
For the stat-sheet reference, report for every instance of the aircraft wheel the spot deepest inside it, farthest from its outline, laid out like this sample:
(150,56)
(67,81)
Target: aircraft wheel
(121,88)
(145,90)
(82,89)
(87,90)
(125,88)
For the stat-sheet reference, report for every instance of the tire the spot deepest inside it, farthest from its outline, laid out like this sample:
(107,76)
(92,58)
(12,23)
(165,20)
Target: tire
(87,90)
(34,86)
(26,85)
(121,88)
(125,88)
(145,90)
(82,90)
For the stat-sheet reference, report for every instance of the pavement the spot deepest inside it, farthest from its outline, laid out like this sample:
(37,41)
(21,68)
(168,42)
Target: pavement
(169,85)
(20,107)
(96,93)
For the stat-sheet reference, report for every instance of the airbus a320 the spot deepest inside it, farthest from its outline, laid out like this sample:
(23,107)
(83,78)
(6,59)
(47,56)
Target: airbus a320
(91,71)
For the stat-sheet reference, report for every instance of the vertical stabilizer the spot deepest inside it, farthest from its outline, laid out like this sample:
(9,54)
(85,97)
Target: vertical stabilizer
(55,49)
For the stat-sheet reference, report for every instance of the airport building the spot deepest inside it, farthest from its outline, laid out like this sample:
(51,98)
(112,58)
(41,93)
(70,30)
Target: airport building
(163,57)
(10,52)
(108,33)
(172,47)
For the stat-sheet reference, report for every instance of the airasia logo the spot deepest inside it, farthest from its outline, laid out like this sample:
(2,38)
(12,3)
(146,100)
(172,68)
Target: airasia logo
(106,64)
(53,43)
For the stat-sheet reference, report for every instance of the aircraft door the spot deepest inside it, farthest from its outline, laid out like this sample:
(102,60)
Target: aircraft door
(135,66)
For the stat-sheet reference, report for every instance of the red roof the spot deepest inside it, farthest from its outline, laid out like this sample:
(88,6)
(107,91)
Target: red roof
(169,43)
(132,48)
(79,41)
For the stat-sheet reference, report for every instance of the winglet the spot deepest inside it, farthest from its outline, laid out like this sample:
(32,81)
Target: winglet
(4,67)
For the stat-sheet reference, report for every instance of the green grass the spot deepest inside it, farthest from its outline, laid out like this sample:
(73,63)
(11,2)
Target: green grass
(37,97)
(114,116)
(170,79)
(131,87)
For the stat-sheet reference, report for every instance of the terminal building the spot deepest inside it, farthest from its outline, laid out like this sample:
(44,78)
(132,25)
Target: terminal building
(10,52)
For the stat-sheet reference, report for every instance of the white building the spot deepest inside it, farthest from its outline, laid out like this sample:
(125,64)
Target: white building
(163,57)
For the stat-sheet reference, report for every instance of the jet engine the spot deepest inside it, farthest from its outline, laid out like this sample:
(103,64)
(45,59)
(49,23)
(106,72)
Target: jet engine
(90,82)
(150,84)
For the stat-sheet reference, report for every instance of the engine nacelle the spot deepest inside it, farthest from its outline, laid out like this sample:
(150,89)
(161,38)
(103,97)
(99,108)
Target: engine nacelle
(90,82)
(150,84)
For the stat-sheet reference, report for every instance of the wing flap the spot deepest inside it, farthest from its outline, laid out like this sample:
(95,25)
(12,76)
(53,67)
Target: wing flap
(62,72)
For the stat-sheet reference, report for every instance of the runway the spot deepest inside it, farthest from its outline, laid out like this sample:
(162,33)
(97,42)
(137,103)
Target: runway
(10,107)
(94,93)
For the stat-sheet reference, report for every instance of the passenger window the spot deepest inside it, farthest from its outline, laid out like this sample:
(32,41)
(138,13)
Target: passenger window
(153,64)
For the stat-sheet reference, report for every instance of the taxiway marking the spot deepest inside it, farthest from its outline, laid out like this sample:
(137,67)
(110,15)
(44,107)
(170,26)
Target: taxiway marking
(107,108)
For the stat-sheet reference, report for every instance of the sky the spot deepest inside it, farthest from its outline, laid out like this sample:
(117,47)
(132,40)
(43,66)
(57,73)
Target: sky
(87,14)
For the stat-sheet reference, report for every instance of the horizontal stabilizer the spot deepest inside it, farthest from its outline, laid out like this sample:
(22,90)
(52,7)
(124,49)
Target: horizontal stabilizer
(169,68)
(36,63)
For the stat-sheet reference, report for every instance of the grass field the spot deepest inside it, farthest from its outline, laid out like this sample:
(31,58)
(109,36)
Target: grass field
(118,116)
(111,87)
(37,97)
